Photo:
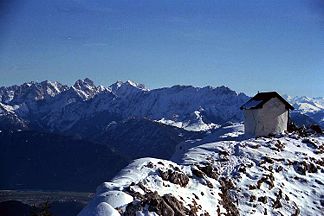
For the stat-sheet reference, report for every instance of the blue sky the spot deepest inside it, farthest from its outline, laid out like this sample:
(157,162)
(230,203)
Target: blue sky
(249,46)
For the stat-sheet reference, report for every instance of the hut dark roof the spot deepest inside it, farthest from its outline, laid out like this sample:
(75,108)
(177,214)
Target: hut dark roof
(261,98)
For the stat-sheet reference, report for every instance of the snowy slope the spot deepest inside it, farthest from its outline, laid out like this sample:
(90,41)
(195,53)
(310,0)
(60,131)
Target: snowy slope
(270,175)
(138,182)
(9,119)
(223,174)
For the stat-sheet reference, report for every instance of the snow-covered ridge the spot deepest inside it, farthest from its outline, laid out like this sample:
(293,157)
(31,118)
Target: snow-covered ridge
(86,89)
(31,91)
(241,176)
(145,180)
(127,85)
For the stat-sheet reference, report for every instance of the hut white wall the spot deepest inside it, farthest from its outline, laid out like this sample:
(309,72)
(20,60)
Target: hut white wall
(250,121)
(271,118)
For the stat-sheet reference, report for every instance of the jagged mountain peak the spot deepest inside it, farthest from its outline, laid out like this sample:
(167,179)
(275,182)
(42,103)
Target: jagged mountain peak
(53,88)
(85,82)
(219,90)
(128,83)
(224,88)
(41,84)
(86,88)
(121,88)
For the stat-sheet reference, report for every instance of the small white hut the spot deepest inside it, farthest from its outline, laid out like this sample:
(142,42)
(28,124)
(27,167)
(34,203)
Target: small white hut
(266,113)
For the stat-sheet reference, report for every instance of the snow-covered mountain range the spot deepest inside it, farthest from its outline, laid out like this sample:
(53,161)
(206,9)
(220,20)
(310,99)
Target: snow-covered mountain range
(54,107)
(307,109)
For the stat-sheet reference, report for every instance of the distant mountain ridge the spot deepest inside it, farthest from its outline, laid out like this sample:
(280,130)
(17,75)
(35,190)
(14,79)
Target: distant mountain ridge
(307,109)
(57,107)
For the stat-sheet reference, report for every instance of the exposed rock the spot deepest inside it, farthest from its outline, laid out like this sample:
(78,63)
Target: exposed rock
(279,169)
(209,171)
(242,169)
(132,208)
(209,184)
(277,204)
(280,146)
(320,162)
(269,179)
(176,205)
(300,167)
(312,168)
(223,155)
(150,164)
(303,166)
(227,201)
(252,187)
(167,205)
(252,198)
(266,160)
(175,177)
(197,172)
(263,199)
(297,210)
(157,204)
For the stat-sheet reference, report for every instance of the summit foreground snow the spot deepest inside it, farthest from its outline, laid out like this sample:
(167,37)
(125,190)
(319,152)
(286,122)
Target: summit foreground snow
(223,174)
